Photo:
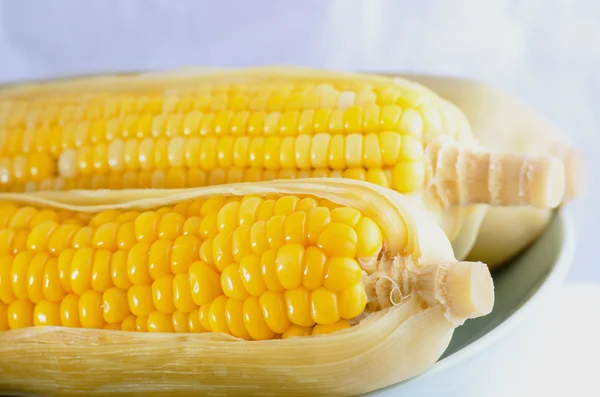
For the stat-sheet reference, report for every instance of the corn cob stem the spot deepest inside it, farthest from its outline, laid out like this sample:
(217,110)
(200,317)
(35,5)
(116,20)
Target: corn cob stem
(459,176)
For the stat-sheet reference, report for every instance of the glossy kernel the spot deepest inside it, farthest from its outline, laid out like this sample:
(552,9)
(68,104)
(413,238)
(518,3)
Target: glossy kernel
(162,294)
(338,239)
(20,314)
(115,305)
(274,311)
(205,283)
(46,313)
(140,300)
(324,307)
(250,272)
(298,306)
(182,293)
(231,282)
(91,310)
(160,322)
(69,311)
(254,320)
(35,277)
(290,265)
(184,251)
(341,273)
(137,264)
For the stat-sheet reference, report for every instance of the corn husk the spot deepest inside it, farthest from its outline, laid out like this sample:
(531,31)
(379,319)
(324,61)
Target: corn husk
(386,347)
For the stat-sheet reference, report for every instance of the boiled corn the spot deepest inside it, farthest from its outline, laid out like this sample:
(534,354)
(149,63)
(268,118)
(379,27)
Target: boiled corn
(255,266)
(389,264)
(250,126)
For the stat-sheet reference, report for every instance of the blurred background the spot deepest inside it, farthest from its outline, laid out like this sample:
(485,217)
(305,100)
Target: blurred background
(544,52)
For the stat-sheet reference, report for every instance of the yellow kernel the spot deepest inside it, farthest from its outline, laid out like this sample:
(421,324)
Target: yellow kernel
(83,238)
(408,177)
(285,205)
(370,239)
(316,220)
(324,307)
(298,306)
(341,273)
(141,324)
(254,321)
(390,115)
(182,294)
(126,236)
(184,252)
(160,322)
(265,210)
(35,277)
(411,149)
(274,311)
(314,272)
(371,118)
(129,324)
(146,225)
(118,270)
(290,265)
(234,315)
(204,316)
(101,271)
(222,250)
(275,231)
(52,286)
(349,216)
(217,319)
(352,301)
(46,313)
(140,299)
(91,312)
(106,236)
(81,270)
(162,294)
(115,305)
(194,324)
(20,314)
(337,152)
(171,226)
(159,259)
(137,264)
(179,321)
(231,282)
(205,283)
(269,271)
(69,311)
(338,239)
(287,153)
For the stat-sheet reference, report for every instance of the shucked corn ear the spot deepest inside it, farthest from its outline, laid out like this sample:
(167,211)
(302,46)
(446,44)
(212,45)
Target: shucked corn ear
(311,287)
(501,122)
(187,130)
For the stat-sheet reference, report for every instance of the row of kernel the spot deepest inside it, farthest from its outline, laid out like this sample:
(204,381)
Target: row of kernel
(354,119)
(304,152)
(103,107)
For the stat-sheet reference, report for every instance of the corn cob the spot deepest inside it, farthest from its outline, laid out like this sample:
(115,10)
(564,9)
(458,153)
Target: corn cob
(282,262)
(505,232)
(253,125)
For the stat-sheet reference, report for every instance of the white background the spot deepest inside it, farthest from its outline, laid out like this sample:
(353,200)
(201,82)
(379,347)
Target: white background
(546,52)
